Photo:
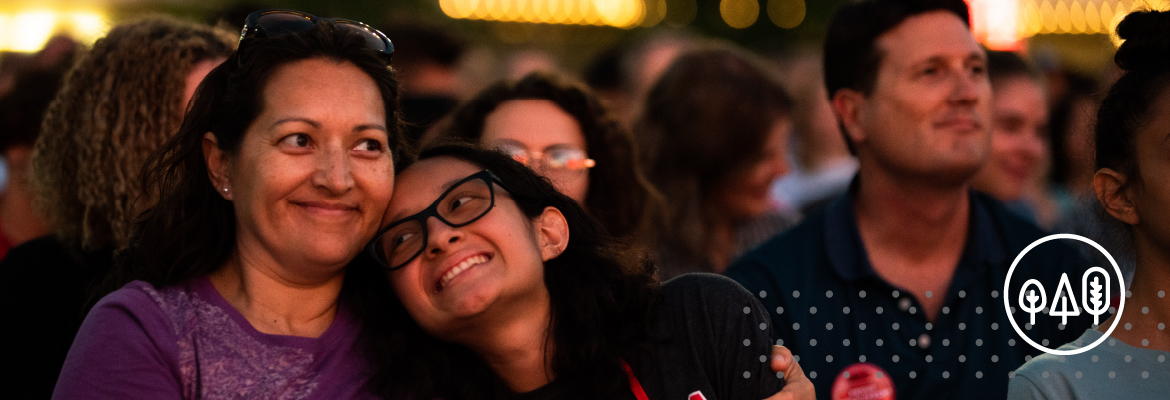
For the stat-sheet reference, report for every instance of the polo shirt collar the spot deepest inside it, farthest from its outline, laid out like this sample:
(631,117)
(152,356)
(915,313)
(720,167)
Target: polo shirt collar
(848,258)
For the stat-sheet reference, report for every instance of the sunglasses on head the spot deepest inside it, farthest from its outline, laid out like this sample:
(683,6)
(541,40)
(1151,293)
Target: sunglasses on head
(276,22)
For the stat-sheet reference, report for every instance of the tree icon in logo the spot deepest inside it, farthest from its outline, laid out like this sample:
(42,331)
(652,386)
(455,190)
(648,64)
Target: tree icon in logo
(1030,307)
(1063,294)
(1094,304)
(1095,284)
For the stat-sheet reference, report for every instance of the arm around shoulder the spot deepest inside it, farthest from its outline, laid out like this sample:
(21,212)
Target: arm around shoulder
(126,348)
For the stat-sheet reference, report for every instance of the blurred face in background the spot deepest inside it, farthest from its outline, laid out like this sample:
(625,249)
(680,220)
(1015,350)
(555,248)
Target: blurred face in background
(928,114)
(541,135)
(744,195)
(1018,141)
(199,70)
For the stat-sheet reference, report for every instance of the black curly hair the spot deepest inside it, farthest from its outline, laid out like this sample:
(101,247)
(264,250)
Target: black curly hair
(1145,58)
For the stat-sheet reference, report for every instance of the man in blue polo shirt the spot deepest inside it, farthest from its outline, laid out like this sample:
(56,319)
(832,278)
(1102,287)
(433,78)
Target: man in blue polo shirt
(904,272)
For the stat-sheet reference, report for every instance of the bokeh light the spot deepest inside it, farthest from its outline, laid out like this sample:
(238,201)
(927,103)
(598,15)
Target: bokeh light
(786,14)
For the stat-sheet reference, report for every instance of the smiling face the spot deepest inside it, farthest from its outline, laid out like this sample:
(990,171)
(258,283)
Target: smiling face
(928,113)
(490,268)
(1018,143)
(539,126)
(313,173)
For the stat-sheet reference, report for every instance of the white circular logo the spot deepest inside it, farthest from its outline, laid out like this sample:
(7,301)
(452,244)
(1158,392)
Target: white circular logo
(1093,305)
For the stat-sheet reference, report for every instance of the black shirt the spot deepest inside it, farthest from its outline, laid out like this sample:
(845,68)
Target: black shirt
(832,310)
(710,336)
(44,289)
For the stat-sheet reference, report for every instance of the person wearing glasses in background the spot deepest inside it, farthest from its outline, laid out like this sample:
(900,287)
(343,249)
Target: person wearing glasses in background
(560,129)
(276,180)
(509,290)
(713,138)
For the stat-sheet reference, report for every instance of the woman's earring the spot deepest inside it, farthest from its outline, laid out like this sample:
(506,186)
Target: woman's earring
(225,190)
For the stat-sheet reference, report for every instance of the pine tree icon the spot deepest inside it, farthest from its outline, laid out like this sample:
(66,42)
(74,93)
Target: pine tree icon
(1063,294)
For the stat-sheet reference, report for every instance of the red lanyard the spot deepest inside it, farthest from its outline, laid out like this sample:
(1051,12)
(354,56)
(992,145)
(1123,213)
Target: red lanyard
(635,386)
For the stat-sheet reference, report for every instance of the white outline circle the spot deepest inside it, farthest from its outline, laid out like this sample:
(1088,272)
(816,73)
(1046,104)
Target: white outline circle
(1007,299)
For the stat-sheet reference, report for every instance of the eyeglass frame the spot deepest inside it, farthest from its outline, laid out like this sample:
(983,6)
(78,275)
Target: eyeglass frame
(539,155)
(433,211)
(252,29)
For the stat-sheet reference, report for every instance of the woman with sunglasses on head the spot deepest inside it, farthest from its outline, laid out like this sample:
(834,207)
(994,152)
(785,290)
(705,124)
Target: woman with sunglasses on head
(1132,184)
(515,292)
(277,178)
(561,129)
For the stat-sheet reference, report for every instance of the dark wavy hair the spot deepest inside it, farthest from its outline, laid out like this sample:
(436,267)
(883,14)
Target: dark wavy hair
(191,230)
(705,120)
(619,195)
(601,304)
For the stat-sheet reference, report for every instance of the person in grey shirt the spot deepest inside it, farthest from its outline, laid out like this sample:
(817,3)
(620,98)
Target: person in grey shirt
(1133,187)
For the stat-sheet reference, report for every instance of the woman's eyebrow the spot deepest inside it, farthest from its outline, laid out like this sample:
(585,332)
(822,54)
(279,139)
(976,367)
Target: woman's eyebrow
(312,123)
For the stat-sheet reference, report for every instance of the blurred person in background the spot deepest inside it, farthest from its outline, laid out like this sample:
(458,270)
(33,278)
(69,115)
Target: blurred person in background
(427,59)
(21,110)
(112,112)
(1073,99)
(237,278)
(713,138)
(1132,185)
(900,275)
(822,164)
(624,73)
(559,128)
(1019,133)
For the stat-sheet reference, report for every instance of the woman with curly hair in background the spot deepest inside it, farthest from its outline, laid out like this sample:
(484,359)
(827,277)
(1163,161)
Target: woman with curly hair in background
(122,100)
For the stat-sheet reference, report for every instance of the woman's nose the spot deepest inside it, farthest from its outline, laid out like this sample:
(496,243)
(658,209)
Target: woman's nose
(334,172)
(440,236)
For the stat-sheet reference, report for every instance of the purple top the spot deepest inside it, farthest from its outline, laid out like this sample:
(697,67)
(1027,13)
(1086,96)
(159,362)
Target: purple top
(187,342)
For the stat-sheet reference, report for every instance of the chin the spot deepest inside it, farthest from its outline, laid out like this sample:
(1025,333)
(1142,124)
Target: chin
(329,255)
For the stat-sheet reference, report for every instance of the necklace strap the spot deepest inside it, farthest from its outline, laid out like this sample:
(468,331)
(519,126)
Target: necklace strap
(635,386)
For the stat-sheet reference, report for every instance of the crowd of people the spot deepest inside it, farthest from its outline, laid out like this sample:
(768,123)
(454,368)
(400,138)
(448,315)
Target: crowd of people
(316,209)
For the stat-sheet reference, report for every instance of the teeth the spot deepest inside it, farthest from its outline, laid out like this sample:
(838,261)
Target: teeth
(463,266)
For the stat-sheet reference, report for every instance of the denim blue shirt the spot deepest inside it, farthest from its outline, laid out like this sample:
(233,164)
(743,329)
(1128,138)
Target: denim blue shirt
(832,309)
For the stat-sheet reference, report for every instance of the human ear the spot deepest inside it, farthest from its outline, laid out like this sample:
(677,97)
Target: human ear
(217,165)
(552,231)
(1115,195)
(847,104)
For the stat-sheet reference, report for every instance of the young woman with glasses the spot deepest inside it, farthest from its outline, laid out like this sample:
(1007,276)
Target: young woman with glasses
(278,176)
(561,130)
(515,292)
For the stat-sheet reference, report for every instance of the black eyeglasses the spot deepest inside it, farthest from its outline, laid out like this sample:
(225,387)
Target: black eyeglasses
(465,202)
(276,22)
